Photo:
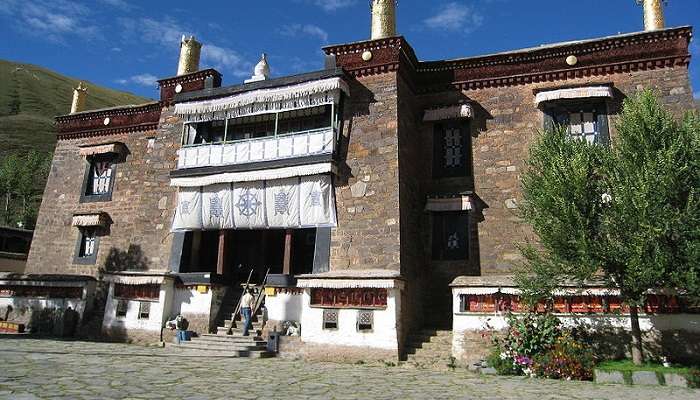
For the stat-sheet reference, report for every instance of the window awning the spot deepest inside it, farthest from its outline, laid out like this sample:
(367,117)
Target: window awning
(263,101)
(574,93)
(91,220)
(250,176)
(136,278)
(450,112)
(114,148)
(452,203)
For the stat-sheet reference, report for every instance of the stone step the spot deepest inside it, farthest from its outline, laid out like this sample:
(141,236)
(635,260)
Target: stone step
(231,338)
(222,346)
(191,352)
(412,342)
(436,332)
(229,323)
(429,338)
(214,342)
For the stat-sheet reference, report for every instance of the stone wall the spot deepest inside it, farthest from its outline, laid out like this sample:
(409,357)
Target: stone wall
(506,121)
(141,207)
(367,190)
(292,347)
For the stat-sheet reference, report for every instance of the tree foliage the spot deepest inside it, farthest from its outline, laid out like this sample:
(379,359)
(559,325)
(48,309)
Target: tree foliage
(627,215)
(21,187)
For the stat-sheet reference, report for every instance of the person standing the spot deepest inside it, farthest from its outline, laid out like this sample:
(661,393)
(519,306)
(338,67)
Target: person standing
(247,304)
(181,325)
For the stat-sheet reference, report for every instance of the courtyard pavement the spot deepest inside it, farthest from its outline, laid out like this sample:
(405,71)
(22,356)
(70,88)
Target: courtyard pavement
(48,369)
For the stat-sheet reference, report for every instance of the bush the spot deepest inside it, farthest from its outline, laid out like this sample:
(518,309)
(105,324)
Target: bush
(536,345)
(568,359)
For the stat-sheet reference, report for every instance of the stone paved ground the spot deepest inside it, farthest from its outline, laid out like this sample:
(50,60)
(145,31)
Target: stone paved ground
(31,368)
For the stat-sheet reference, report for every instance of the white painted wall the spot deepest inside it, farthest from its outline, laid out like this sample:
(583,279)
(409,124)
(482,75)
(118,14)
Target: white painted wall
(190,301)
(131,320)
(383,336)
(284,307)
(478,322)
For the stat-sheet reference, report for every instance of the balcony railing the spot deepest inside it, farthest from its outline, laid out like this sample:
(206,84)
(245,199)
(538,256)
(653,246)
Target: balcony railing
(271,148)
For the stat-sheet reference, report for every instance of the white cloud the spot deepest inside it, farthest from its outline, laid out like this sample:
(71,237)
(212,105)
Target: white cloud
(141,79)
(696,95)
(226,59)
(166,33)
(53,20)
(120,4)
(455,17)
(304,30)
(332,5)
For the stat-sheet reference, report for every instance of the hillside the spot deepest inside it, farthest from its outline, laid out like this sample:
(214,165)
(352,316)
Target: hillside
(697,103)
(30,96)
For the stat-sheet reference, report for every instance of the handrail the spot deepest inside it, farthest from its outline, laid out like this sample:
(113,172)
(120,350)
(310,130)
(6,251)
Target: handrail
(297,133)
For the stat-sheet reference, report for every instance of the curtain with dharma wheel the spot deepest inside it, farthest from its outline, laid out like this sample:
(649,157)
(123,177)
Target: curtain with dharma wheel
(296,202)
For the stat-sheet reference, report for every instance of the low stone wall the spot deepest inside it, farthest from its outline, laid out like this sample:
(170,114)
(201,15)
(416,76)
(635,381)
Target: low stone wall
(136,336)
(293,347)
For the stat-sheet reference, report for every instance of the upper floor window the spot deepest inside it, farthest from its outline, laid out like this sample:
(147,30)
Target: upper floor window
(258,126)
(583,120)
(86,248)
(99,180)
(450,236)
(451,149)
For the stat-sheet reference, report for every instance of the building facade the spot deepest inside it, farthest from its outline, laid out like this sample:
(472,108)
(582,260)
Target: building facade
(362,196)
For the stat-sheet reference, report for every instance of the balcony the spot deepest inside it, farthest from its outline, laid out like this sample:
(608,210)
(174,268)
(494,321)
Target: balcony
(270,148)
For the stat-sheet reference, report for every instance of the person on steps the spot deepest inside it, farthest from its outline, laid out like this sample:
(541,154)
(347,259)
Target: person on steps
(247,304)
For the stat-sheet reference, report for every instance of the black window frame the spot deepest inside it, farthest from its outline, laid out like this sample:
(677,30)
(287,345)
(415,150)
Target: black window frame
(558,112)
(146,312)
(90,259)
(117,308)
(363,327)
(327,321)
(86,197)
(441,224)
(440,169)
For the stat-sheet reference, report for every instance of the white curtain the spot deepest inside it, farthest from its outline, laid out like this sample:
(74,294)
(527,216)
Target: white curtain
(249,205)
(298,202)
(317,200)
(188,215)
(282,203)
(216,207)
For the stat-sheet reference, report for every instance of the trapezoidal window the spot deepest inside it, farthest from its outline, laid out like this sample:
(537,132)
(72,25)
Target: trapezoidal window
(450,236)
(451,149)
(121,308)
(330,319)
(365,320)
(99,179)
(583,120)
(144,309)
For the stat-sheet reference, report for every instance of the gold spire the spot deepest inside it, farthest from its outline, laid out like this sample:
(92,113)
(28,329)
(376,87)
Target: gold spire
(190,50)
(79,97)
(653,14)
(383,18)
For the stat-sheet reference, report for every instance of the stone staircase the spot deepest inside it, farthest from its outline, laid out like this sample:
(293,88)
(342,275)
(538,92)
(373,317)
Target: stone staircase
(210,345)
(429,348)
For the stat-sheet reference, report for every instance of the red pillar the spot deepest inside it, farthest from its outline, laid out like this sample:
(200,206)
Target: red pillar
(287,264)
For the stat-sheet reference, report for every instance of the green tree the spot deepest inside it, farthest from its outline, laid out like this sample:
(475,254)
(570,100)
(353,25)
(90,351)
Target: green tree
(627,215)
(22,178)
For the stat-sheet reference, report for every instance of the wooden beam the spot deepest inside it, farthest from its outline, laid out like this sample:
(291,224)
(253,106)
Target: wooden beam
(287,264)
(221,257)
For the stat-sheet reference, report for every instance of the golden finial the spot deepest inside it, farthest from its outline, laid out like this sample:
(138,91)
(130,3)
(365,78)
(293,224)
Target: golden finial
(383,18)
(653,14)
(79,97)
(190,50)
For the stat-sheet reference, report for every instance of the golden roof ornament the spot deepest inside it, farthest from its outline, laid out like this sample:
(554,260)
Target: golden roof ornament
(261,71)
(383,18)
(79,98)
(190,51)
(653,14)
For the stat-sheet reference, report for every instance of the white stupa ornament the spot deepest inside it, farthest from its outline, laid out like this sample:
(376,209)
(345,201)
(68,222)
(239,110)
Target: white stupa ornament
(262,70)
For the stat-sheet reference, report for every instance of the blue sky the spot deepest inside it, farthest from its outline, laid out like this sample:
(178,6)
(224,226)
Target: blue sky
(127,44)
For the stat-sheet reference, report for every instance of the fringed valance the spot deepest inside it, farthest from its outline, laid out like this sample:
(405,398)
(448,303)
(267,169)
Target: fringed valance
(349,283)
(574,93)
(450,112)
(91,220)
(457,203)
(135,279)
(262,101)
(114,148)
(516,291)
(250,176)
